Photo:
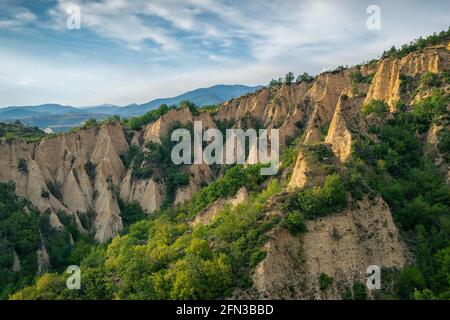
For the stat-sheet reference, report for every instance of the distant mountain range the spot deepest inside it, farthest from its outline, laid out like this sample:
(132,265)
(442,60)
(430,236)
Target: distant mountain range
(61,118)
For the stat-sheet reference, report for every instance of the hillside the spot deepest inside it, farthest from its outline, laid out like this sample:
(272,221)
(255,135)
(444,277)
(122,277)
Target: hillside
(364,180)
(16,130)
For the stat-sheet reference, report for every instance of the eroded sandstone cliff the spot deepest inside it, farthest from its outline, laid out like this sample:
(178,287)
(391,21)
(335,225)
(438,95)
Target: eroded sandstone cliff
(84,171)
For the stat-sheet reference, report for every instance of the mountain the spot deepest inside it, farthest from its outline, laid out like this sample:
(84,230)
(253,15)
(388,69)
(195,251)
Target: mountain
(61,118)
(55,116)
(107,109)
(363,184)
(200,97)
(61,122)
(17,112)
(204,96)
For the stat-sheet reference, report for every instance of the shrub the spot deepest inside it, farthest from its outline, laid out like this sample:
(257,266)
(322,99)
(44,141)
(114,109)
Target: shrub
(324,131)
(55,190)
(131,212)
(407,85)
(378,107)
(256,257)
(429,79)
(320,152)
(294,222)
(446,77)
(428,110)
(90,123)
(409,279)
(128,158)
(288,157)
(357,77)
(45,194)
(22,165)
(136,123)
(325,281)
(186,104)
(346,294)
(20,233)
(317,201)
(90,169)
(359,291)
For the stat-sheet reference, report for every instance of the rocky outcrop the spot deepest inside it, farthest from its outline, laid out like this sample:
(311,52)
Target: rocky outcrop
(280,275)
(324,95)
(148,193)
(386,83)
(83,170)
(347,120)
(299,176)
(341,245)
(53,176)
(280,108)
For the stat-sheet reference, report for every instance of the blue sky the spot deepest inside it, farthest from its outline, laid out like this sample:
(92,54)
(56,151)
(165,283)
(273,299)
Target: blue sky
(135,50)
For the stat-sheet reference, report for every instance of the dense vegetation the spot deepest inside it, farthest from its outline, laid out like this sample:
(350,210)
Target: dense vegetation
(166,258)
(23,232)
(136,123)
(377,107)
(416,192)
(19,234)
(357,77)
(418,44)
(9,131)
(317,201)
(289,79)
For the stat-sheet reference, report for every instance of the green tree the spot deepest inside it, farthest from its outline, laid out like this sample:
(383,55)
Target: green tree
(377,107)
(305,77)
(289,78)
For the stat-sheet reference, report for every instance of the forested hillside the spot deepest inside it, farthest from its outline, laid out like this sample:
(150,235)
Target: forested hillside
(363,180)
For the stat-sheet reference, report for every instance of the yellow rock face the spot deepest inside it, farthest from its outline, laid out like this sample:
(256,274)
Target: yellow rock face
(341,245)
(386,83)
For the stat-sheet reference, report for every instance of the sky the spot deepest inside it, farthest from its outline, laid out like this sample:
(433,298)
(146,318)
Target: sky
(132,51)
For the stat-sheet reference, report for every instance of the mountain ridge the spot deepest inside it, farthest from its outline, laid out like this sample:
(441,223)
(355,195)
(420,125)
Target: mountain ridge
(43,115)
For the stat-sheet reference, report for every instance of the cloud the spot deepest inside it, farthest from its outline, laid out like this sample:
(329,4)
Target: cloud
(115,19)
(16,17)
(135,50)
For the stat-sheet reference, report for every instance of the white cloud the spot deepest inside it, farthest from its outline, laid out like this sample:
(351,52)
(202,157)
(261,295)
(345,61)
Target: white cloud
(17,17)
(179,45)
